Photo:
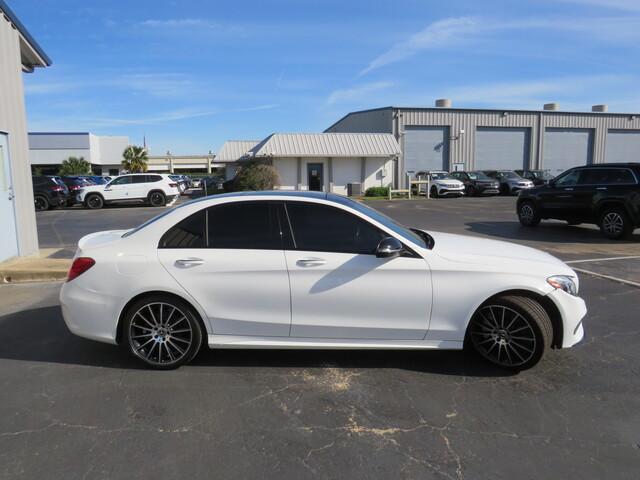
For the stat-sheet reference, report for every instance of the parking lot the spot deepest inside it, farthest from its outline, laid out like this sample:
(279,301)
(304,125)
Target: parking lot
(71,408)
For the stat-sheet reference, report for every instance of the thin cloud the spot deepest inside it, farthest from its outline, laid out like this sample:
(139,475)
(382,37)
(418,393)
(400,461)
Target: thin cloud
(454,32)
(179,23)
(357,93)
(628,5)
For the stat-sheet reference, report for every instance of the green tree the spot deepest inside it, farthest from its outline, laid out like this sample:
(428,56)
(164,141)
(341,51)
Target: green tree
(75,166)
(135,159)
(255,175)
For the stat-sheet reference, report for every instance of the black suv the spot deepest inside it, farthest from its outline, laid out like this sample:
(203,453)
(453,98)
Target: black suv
(477,183)
(607,195)
(48,192)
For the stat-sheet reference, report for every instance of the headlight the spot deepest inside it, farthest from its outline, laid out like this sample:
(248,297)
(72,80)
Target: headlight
(564,283)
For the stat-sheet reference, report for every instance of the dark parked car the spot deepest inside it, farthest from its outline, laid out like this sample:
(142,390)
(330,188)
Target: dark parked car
(48,192)
(477,183)
(211,184)
(538,177)
(74,184)
(607,195)
(95,179)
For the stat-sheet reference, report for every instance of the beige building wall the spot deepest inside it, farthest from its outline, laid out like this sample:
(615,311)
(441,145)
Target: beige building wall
(13,122)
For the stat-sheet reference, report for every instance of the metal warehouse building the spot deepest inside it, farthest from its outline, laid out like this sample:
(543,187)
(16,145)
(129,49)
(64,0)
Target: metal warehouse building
(445,138)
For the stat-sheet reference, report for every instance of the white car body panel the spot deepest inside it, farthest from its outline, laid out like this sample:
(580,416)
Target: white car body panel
(321,294)
(132,191)
(249,298)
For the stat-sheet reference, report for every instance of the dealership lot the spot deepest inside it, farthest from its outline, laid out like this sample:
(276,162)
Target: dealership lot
(73,408)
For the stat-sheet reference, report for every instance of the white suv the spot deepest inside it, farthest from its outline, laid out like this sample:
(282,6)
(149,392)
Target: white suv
(152,188)
(442,184)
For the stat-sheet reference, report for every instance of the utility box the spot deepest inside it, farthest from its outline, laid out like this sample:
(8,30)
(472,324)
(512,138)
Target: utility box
(354,189)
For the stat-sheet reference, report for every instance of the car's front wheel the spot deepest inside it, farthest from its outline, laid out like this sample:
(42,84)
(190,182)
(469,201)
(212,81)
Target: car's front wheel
(615,224)
(511,331)
(528,214)
(434,192)
(41,203)
(163,333)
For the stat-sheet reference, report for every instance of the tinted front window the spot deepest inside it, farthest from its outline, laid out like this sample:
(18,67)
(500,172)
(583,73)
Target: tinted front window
(569,179)
(245,225)
(139,179)
(122,180)
(189,233)
(321,228)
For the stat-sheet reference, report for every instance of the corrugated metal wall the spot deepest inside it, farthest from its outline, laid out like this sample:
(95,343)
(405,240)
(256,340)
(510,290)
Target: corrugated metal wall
(565,148)
(502,148)
(623,146)
(426,148)
(13,121)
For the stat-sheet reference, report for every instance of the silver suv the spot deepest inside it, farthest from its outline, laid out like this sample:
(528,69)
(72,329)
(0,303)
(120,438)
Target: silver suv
(510,182)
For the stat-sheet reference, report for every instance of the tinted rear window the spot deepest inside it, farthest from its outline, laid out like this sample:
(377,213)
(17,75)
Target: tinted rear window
(245,225)
(189,233)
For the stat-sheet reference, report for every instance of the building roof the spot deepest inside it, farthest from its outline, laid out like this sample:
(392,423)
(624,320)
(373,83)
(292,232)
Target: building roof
(32,54)
(327,145)
(235,150)
(480,110)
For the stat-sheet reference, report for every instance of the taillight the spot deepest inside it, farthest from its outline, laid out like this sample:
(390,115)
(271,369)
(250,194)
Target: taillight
(173,185)
(56,189)
(79,266)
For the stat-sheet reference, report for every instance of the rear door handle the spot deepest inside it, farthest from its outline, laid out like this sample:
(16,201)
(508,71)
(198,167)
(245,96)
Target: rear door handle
(568,189)
(311,262)
(601,188)
(189,262)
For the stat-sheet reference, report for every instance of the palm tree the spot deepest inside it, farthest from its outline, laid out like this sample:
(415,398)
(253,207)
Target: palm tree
(135,159)
(75,166)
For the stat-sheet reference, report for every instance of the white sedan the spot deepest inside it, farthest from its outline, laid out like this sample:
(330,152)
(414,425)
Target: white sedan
(314,270)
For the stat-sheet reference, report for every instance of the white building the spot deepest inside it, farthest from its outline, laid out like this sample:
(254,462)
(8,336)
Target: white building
(328,162)
(47,151)
(232,153)
(19,53)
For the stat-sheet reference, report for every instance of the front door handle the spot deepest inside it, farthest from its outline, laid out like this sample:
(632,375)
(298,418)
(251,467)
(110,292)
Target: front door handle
(189,262)
(568,189)
(601,188)
(310,262)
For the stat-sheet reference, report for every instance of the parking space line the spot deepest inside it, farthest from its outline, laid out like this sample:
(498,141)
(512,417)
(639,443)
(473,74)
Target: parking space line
(603,259)
(608,277)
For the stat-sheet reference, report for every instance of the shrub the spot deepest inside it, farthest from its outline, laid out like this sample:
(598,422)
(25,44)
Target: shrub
(256,176)
(377,192)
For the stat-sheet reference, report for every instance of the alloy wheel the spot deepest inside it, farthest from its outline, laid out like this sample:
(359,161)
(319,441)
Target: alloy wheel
(613,223)
(156,199)
(503,336)
(94,201)
(160,334)
(40,204)
(526,213)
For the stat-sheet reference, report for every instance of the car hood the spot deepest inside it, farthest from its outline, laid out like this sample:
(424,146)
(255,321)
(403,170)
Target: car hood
(505,256)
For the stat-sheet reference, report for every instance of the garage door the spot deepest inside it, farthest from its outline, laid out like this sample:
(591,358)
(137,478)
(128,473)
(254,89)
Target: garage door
(565,148)
(623,146)
(426,148)
(501,148)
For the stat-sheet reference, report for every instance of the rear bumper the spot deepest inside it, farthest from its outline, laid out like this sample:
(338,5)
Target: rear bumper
(572,310)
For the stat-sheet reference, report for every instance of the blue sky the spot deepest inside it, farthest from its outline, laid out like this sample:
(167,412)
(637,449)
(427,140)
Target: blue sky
(191,74)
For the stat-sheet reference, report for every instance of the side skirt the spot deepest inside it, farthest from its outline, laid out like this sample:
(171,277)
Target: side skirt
(233,341)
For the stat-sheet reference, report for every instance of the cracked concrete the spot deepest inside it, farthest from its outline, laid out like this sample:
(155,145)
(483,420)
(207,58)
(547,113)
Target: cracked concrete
(71,408)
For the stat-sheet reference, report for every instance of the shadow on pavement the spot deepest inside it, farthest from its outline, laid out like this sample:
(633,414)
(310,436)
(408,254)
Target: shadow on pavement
(40,335)
(545,232)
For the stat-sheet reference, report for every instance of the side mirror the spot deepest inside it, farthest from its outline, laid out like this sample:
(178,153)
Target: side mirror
(389,247)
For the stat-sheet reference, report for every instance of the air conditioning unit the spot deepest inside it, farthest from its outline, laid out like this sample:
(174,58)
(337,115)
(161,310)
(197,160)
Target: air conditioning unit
(354,189)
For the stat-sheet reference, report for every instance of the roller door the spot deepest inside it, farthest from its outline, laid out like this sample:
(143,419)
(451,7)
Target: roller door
(502,148)
(566,147)
(622,146)
(426,148)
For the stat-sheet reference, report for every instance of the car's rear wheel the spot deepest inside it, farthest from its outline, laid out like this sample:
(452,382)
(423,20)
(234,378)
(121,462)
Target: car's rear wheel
(433,193)
(163,333)
(511,331)
(157,199)
(94,201)
(615,223)
(528,214)
(41,203)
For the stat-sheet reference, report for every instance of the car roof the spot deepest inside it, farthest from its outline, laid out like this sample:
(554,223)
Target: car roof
(606,165)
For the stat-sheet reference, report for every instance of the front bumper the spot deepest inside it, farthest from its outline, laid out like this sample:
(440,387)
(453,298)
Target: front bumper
(572,310)
(451,191)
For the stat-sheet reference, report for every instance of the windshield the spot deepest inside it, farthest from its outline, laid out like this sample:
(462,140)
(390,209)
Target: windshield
(382,219)
(542,174)
(509,174)
(478,176)
(441,176)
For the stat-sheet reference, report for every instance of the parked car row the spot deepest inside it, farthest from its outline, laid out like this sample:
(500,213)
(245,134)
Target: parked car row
(148,188)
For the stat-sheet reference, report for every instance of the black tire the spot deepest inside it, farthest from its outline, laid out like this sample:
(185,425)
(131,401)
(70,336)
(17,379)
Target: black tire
(471,191)
(433,193)
(157,199)
(615,224)
(492,328)
(94,201)
(504,189)
(41,203)
(528,214)
(161,331)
